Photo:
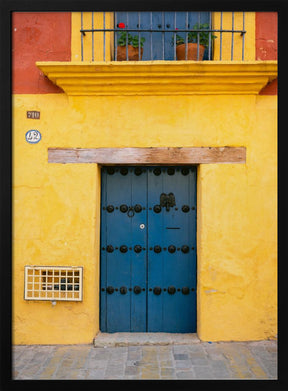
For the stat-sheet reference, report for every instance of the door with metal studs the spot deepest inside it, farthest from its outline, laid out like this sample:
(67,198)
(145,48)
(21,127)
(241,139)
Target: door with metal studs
(148,249)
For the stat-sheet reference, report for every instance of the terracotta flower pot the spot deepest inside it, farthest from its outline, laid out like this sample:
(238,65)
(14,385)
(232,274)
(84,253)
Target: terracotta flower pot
(191,52)
(133,53)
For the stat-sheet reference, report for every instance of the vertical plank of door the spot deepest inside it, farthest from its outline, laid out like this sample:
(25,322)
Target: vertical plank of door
(188,272)
(193,235)
(139,260)
(103,258)
(173,271)
(155,224)
(118,264)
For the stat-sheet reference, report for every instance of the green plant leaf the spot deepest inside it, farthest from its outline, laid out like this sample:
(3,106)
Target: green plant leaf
(129,39)
(194,36)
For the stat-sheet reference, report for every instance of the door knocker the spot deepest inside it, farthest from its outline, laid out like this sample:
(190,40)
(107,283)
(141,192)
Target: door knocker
(131,211)
(167,200)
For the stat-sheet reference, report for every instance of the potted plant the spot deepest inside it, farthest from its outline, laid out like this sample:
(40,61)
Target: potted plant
(127,40)
(193,43)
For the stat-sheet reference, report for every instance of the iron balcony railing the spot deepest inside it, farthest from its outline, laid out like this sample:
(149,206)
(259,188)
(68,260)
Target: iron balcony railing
(160,33)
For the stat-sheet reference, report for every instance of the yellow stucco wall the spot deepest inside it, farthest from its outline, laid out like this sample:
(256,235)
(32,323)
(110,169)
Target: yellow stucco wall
(56,207)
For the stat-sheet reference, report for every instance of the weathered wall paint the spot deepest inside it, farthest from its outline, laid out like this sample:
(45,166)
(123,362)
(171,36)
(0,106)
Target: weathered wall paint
(54,223)
(56,206)
(266,43)
(266,35)
(270,89)
(35,36)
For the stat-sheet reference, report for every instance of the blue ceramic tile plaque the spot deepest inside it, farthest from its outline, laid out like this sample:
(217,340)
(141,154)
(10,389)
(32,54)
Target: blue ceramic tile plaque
(33,136)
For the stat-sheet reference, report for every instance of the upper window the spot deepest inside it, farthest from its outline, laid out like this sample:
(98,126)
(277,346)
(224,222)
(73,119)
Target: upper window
(159,33)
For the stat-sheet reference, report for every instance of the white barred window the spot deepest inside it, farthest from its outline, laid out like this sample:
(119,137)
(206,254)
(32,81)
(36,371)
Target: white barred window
(53,283)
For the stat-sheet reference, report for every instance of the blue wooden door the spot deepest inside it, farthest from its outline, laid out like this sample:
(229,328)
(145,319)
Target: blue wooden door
(148,249)
(159,45)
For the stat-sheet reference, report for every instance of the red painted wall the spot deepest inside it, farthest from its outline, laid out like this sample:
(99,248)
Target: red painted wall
(266,43)
(266,35)
(38,36)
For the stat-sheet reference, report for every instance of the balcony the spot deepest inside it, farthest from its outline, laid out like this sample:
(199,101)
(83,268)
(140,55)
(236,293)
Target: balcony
(227,67)
(221,35)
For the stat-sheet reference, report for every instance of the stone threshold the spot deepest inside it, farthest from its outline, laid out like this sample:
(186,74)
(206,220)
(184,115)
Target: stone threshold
(133,339)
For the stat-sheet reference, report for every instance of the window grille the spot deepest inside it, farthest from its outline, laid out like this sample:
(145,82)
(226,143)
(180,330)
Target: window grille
(160,30)
(53,283)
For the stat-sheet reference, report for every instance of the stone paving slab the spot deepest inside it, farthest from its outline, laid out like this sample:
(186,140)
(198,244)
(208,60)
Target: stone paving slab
(201,360)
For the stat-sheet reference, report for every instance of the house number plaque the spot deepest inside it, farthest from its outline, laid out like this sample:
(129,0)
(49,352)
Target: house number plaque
(33,114)
(33,136)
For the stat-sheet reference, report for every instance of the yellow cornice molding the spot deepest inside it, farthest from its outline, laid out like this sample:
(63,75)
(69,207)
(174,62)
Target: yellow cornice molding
(160,77)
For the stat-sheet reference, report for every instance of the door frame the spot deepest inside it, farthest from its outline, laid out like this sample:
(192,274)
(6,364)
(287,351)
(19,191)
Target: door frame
(100,167)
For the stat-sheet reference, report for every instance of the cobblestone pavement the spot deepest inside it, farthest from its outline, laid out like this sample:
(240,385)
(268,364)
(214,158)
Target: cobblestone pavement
(204,360)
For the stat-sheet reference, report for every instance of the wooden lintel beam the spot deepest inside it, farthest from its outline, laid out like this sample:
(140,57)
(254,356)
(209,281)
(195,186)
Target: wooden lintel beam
(146,156)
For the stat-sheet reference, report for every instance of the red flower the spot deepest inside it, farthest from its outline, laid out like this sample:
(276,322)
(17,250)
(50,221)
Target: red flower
(121,25)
